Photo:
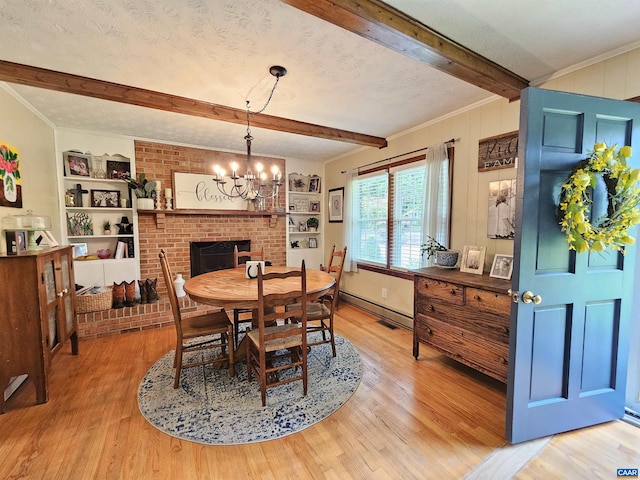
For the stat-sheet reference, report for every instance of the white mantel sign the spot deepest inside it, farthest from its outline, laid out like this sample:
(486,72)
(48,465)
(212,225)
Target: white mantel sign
(199,192)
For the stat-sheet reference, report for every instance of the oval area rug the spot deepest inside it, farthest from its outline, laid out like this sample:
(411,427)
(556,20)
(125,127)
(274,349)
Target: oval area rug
(212,408)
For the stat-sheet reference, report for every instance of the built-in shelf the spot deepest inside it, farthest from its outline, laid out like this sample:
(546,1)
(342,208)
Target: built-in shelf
(100,236)
(99,209)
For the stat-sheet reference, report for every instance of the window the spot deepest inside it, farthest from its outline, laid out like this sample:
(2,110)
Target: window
(370,219)
(395,207)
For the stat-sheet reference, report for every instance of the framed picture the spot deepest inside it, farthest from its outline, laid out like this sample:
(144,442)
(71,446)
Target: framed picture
(79,249)
(118,170)
(292,208)
(501,218)
(302,227)
(105,198)
(336,200)
(77,164)
(473,259)
(502,266)
(313,242)
(315,206)
(314,184)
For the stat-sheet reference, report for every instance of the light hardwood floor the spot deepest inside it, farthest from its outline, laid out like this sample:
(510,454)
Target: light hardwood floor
(425,419)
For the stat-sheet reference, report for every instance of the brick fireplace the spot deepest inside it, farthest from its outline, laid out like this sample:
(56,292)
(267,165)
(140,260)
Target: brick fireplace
(175,232)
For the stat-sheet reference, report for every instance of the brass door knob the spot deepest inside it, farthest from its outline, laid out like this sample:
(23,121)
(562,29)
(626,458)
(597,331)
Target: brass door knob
(528,297)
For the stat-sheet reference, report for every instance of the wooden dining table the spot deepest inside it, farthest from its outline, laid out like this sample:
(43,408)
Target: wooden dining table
(230,289)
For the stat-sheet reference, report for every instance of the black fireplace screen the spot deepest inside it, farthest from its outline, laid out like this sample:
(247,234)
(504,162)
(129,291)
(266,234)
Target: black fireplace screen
(209,256)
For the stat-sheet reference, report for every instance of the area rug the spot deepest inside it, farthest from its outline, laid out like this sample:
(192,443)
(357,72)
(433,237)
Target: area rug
(212,408)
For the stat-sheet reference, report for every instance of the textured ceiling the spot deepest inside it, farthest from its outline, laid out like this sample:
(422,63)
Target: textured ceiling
(219,51)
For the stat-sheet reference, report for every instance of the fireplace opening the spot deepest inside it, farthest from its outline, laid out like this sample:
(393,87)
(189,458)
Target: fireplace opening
(209,256)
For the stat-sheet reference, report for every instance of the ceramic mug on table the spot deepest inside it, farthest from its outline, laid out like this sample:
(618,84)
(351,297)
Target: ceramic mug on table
(251,268)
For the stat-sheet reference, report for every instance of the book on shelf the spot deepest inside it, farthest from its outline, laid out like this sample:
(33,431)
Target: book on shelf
(121,250)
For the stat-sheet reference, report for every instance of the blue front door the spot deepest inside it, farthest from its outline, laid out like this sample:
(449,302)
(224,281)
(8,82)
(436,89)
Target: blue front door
(568,353)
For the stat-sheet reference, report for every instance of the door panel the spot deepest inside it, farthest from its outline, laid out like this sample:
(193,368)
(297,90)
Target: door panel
(568,354)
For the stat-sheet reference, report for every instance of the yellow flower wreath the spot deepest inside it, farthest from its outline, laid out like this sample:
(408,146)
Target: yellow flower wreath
(623,194)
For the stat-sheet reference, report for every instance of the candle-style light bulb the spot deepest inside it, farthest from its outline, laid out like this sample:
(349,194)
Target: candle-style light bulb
(259,167)
(221,172)
(263,176)
(275,172)
(234,168)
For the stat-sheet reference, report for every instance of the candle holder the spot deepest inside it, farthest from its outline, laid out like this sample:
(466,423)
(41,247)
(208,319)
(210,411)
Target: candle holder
(158,201)
(167,201)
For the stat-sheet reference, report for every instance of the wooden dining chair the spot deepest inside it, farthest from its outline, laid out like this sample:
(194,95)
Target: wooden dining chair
(320,313)
(336,270)
(210,331)
(243,315)
(271,341)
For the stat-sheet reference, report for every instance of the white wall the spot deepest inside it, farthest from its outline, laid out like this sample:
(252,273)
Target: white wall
(34,139)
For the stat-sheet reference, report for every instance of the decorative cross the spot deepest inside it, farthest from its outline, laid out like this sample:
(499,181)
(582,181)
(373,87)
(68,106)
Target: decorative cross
(77,193)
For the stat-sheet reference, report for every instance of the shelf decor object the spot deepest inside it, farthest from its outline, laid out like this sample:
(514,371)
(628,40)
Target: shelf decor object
(29,223)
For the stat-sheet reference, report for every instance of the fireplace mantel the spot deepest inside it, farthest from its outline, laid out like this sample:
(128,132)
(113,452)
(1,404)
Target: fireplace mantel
(160,214)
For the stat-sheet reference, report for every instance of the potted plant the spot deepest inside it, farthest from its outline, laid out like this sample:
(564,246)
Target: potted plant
(106,227)
(443,256)
(144,190)
(313,223)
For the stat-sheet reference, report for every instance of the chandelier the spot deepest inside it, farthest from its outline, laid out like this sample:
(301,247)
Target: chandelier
(252,186)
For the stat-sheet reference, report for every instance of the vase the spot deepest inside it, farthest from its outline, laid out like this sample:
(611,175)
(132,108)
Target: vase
(178,283)
(10,188)
(145,203)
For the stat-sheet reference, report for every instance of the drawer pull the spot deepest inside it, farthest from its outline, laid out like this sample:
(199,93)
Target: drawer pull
(505,330)
(453,292)
(503,360)
(432,308)
(429,331)
(478,298)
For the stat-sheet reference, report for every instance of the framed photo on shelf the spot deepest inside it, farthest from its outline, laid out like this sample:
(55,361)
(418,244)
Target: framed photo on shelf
(79,249)
(502,266)
(77,164)
(292,208)
(314,184)
(336,200)
(105,198)
(118,170)
(302,227)
(473,259)
(313,242)
(314,206)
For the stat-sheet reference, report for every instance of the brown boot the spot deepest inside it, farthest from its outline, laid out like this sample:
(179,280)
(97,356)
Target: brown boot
(143,291)
(130,293)
(152,290)
(118,295)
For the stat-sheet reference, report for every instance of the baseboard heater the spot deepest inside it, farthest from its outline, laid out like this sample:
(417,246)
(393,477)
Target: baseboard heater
(387,315)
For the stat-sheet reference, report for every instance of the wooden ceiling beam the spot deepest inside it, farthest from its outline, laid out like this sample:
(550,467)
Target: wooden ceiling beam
(387,26)
(89,87)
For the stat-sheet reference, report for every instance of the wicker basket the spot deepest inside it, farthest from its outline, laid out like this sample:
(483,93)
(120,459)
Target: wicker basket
(94,303)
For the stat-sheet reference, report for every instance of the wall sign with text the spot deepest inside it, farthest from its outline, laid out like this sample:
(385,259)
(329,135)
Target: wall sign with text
(498,152)
(197,191)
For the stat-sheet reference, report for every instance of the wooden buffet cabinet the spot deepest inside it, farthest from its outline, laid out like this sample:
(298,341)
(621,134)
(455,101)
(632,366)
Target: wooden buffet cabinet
(38,314)
(464,316)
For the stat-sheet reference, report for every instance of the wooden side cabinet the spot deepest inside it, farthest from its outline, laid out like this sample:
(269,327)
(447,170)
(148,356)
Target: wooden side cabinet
(465,317)
(38,315)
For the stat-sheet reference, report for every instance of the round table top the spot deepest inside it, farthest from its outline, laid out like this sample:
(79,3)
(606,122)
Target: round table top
(231,289)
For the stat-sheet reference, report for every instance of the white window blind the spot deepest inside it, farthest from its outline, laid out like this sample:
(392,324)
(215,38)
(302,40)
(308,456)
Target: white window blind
(370,217)
(408,186)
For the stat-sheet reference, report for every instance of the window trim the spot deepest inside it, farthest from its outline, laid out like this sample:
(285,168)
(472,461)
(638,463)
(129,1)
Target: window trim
(388,269)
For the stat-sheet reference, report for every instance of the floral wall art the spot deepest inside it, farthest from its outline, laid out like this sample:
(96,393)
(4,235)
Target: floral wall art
(11,191)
